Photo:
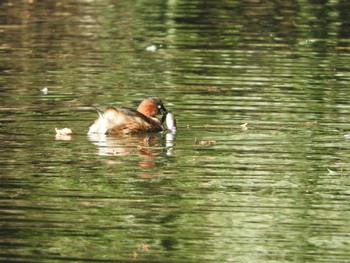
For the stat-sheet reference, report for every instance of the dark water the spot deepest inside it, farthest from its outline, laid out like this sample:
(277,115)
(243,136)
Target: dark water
(259,168)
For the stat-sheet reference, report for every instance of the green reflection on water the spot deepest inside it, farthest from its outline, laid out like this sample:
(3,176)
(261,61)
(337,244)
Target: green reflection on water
(275,192)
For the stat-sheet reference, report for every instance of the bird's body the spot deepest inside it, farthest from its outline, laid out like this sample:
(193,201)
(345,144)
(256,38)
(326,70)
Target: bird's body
(123,120)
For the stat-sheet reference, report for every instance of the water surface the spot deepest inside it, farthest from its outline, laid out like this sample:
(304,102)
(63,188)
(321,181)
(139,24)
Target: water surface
(257,172)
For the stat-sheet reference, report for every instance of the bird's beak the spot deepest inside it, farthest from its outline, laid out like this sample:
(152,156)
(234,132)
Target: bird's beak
(163,110)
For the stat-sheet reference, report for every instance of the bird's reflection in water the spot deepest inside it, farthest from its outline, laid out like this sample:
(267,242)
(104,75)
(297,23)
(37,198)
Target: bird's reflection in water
(147,146)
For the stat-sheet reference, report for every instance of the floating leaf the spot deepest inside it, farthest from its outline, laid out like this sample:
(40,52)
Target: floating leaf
(151,48)
(244,126)
(330,172)
(144,247)
(45,90)
(64,131)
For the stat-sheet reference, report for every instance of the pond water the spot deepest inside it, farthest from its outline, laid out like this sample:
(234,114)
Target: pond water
(258,170)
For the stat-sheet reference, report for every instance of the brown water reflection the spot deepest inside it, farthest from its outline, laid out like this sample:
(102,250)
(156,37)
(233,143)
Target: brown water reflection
(147,147)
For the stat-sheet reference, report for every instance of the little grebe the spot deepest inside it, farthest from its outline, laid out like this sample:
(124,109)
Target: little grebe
(124,120)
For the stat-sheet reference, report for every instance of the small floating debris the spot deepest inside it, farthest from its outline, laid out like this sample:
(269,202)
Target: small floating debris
(342,48)
(213,89)
(144,247)
(331,172)
(204,142)
(244,126)
(64,131)
(63,134)
(151,48)
(45,90)
(134,255)
(311,123)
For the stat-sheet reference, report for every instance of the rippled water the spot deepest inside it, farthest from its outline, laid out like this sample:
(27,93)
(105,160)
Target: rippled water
(257,172)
